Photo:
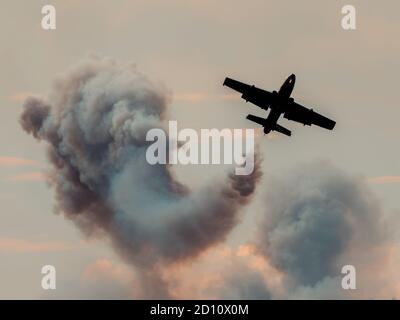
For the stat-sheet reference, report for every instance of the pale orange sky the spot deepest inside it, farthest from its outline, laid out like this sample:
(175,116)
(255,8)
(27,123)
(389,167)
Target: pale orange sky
(190,46)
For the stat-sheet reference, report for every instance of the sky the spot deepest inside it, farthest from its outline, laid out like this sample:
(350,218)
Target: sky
(189,47)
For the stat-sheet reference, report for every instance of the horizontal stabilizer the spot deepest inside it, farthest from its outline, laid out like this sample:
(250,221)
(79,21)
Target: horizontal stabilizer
(282,130)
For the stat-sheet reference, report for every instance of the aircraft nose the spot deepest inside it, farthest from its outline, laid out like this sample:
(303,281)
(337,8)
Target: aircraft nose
(292,79)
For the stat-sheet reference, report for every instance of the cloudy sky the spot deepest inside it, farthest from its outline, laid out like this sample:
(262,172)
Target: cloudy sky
(347,179)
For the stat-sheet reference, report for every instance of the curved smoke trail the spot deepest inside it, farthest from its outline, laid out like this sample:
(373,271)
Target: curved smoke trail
(95,122)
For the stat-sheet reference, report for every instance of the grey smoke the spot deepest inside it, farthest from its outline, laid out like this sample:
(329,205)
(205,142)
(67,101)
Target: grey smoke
(245,284)
(95,121)
(313,216)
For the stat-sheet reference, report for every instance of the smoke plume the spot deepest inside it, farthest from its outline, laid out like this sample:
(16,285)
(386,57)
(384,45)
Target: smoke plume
(95,121)
(316,220)
(311,222)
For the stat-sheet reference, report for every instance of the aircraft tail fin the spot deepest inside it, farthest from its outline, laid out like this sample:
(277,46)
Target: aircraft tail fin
(282,130)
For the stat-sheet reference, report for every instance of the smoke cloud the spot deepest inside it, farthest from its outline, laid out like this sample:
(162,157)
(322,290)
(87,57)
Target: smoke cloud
(312,221)
(318,219)
(95,121)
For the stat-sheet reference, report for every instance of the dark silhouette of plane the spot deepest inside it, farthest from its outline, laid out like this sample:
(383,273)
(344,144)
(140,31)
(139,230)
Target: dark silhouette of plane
(280,103)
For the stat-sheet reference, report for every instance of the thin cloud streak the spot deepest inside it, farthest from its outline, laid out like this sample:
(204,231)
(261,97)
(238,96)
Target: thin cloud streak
(384,180)
(20,96)
(7,161)
(16,245)
(28,176)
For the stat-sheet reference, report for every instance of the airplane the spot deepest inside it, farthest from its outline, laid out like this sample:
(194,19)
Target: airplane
(280,103)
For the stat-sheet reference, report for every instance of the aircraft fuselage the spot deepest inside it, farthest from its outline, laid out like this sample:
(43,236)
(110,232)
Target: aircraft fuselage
(278,105)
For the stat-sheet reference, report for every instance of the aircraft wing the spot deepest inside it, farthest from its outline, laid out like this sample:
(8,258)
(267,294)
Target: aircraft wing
(298,113)
(260,121)
(257,96)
